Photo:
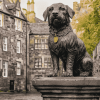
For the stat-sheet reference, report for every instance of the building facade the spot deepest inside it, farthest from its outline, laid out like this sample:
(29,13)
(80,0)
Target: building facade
(40,59)
(40,62)
(12,46)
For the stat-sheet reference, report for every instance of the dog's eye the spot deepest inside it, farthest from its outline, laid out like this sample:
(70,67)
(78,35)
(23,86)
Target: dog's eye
(60,8)
(51,9)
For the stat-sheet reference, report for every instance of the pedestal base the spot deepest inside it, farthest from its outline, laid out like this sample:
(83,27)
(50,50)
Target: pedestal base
(68,88)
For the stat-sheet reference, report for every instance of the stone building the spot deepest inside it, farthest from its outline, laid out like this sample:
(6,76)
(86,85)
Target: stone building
(30,14)
(39,55)
(12,46)
(40,62)
(96,60)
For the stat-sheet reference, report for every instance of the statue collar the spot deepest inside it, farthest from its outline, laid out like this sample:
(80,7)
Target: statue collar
(62,31)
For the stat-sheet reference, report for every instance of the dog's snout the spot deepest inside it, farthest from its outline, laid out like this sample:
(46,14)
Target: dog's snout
(55,13)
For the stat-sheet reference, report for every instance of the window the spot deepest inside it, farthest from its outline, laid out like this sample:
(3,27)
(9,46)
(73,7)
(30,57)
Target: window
(18,13)
(1,6)
(1,20)
(41,44)
(18,24)
(18,46)
(0,65)
(47,62)
(4,43)
(38,62)
(18,68)
(5,69)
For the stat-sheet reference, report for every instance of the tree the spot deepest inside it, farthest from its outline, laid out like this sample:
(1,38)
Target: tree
(89,25)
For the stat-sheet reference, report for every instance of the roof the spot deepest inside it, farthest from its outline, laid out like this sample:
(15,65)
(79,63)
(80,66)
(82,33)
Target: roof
(39,28)
(11,11)
(37,20)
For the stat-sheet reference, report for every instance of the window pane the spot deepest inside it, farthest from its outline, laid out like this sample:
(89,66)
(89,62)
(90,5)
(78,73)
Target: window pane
(0,64)
(19,24)
(42,40)
(39,46)
(36,41)
(36,63)
(18,71)
(46,46)
(46,40)
(45,59)
(0,19)
(39,63)
(18,46)
(36,47)
(16,24)
(36,66)
(39,40)
(43,46)
(5,67)
(18,68)
(39,66)
(36,59)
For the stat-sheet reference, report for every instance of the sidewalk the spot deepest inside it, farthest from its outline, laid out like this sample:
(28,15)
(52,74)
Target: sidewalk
(20,96)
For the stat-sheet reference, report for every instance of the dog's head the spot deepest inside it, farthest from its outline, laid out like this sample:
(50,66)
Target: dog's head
(58,15)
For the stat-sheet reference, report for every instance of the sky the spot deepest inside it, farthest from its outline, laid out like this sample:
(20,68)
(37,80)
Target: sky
(41,5)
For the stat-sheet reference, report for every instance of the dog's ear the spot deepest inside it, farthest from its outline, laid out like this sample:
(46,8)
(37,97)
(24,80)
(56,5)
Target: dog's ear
(45,14)
(70,11)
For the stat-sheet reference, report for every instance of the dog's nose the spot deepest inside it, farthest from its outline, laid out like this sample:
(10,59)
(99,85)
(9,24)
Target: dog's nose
(55,13)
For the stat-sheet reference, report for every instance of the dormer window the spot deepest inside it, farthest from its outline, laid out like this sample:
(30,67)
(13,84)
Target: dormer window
(1,5)
(18,24)
(18,13)
(1,20)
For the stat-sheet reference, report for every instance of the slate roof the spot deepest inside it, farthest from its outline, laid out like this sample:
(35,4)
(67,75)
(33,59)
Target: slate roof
(39,28)
(9,12)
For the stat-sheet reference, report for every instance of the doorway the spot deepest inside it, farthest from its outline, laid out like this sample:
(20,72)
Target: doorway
(12,85)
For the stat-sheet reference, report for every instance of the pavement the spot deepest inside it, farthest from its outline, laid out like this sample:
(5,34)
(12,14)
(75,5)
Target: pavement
(20,96)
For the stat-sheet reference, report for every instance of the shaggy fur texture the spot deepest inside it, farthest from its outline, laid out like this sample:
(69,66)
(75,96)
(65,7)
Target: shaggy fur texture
(69,48)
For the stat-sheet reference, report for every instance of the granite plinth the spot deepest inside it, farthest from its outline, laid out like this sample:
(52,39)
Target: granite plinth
(68,88)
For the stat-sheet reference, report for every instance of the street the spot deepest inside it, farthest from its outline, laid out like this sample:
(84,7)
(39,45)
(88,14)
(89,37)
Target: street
(21,96)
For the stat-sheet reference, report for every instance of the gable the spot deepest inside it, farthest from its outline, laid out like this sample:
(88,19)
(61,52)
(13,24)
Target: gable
(12,8)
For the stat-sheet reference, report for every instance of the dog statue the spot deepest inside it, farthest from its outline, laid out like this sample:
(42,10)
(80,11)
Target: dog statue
(64,44)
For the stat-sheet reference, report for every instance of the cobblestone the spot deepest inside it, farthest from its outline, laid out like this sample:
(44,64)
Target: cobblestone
(21,96)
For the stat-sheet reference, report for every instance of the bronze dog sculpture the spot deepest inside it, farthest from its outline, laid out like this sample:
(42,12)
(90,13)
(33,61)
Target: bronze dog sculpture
(64,44)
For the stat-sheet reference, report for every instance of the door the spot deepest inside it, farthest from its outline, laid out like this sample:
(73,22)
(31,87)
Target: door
(11,85)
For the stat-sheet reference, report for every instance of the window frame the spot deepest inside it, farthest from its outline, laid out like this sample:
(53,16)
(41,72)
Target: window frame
(47,62)
(38,62)
(5,43)
(18,48)
(18,70)
(41,44)
(18,24)
(1,19)
(6,67)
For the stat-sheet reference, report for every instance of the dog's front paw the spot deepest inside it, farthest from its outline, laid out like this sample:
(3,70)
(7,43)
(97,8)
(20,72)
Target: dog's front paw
(51,75)
(84,74)
(65,74)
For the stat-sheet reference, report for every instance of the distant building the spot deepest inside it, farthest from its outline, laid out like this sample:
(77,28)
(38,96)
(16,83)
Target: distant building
(12,46)
(40,59)
(96,60)
(80,9)
(30,14)
(40,62)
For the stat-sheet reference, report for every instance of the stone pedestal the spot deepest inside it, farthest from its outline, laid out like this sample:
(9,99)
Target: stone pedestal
(68,88)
